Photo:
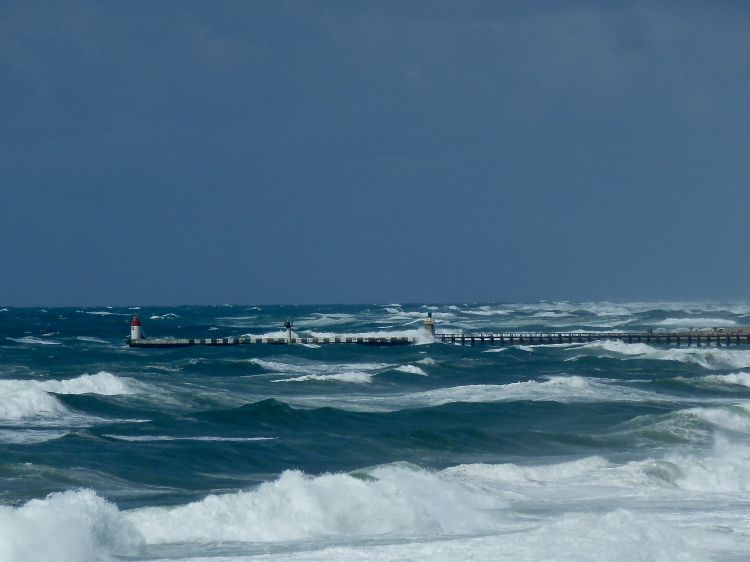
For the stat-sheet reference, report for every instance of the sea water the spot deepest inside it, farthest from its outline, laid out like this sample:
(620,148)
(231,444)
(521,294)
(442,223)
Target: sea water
(593,451)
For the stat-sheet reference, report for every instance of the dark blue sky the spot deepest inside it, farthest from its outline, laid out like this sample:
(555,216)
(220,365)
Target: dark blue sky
(303,152)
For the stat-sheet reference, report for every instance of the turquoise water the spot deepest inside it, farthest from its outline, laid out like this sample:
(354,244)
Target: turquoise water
(590,451)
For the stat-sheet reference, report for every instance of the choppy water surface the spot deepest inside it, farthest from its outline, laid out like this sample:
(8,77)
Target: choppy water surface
(590,451)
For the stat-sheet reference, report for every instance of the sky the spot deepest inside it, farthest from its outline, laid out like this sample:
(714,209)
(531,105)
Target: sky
(181,152)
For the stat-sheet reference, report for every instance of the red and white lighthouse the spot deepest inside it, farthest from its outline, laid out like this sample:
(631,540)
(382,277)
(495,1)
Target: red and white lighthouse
(135,329)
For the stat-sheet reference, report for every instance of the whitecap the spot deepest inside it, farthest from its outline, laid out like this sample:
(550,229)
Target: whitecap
(696,323)
(736,379)
(706,357)
(30,340)
(102,313)
(167,316)
(427,361)
(411,369)
(91,339)
(148,438)
(66,527)
(30,436)
(316,366)
(351,377)
(34,399)
(390,500)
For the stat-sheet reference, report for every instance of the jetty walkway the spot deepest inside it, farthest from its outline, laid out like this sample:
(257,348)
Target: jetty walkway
(700,338)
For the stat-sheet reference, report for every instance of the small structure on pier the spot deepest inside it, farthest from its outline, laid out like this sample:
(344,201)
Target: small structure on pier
(136,333)
(429,325)
(288,326)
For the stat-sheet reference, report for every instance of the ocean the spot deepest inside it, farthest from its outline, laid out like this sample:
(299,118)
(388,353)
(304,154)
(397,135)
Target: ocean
(585,451)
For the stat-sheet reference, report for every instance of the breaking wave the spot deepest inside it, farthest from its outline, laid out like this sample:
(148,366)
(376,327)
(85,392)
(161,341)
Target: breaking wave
(66,527)
(353,377)
(465,508)
(411,369)
(696,323)
(735,379)
(21,399)
(390,500)
(706,357)
(386,500)
(30,340)
(554,389)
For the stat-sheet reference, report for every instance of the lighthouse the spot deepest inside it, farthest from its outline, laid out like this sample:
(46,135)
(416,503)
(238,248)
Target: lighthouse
(135,329)
(429,326)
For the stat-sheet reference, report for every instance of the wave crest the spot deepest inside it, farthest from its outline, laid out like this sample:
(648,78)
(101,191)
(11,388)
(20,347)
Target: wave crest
(386,500)
(22,399)
(66,527)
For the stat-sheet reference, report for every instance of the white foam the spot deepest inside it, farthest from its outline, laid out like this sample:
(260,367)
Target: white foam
(727,469)
(91,339)
(317,367)
(147,438)
(274,334)
(22,399)
(30,340)
(706,357)
(579,469)
(320,320)
(733,417)
(427,361)
(615,536)
(696,322)
(102,382)
(565,389)
(324,372)
(102,313)
(411,369)
(352,377)
(551,314)
(29,436)
(167,316)
(17,403)
(680,507)
(560,389)
(737,379)
(486,311)
(391,500)
(66,527)
(531,348)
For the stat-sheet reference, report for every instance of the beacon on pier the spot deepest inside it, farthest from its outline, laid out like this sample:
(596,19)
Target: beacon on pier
(136,333)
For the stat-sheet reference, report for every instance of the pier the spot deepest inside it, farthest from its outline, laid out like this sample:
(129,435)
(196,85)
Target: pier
(137,339)
(169,342)
(699,338)
(676,339)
